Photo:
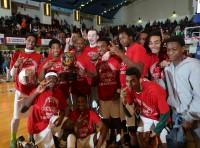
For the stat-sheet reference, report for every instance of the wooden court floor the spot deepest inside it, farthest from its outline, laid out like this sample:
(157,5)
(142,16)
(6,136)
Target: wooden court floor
(6,113)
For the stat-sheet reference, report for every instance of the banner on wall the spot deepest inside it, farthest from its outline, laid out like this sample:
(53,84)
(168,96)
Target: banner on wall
(198,6)
(15,40)
(45,41)
(2,39)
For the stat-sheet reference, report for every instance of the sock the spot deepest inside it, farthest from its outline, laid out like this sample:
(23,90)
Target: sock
(13,136)
(118,137)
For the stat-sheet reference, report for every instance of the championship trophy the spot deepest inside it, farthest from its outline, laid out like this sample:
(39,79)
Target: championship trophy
(70,71)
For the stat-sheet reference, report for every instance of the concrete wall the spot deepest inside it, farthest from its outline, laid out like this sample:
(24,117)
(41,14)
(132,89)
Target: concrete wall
(149,10)
(5,12)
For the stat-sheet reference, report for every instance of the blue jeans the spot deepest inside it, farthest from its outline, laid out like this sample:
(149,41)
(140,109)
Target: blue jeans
(192,135)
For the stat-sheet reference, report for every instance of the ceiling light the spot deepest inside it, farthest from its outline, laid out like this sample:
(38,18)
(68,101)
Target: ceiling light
(174,14)
(82,5)
(139,21)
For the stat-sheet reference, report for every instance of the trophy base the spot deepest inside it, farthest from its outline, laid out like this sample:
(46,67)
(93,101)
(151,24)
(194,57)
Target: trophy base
(67,76)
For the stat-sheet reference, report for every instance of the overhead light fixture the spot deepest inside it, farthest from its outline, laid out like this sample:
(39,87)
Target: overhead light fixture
(98,20)
(139,20)
(47,9)
(5,4)
(77,15)
(174,14)
(105,11)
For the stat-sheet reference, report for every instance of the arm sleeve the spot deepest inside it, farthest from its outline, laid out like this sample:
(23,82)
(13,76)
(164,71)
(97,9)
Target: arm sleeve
(162,122)
(138,54)
(193,109)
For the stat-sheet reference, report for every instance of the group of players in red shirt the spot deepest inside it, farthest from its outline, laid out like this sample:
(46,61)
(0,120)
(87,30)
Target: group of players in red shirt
(105,73)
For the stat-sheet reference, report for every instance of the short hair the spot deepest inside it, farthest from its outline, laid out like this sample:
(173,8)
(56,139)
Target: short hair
(107,40)
(177,39)
(144,31)
(133,71)
(80,39)
(156,33)
(54,41)
(93,30)
(82,96)
(127,31)
(33,35)
(61,32)
(167,33)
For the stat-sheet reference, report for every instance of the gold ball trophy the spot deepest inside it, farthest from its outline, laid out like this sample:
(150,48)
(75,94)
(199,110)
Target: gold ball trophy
(70,71)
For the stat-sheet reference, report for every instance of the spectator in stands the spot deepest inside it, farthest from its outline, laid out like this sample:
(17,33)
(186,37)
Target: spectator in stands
(61,36)
(47,115)
(150,99)
(7,64)
(1,63)
(24,27)
(84,33)
(84,129)
(143,40)
(22,64)
(183,86)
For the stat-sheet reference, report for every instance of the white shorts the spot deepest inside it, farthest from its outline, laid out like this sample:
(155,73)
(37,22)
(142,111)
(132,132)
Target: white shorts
(147,124)
(19,99)
(45,139)
(109,109)
(88,141)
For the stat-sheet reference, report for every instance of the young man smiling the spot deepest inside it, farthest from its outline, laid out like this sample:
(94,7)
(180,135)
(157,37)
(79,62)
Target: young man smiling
(150,99)
(23,67)
(47,115)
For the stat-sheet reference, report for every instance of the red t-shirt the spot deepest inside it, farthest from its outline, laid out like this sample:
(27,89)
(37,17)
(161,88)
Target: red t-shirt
(84,121)
(88,64)
(57,66)
(89,51)
(108,78)
(153,65)
(151,101)
(30,63)
(44,107)
(81,84)
(136,53)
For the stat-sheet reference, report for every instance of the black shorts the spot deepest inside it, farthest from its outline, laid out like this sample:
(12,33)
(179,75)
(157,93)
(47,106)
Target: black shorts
(132,128)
